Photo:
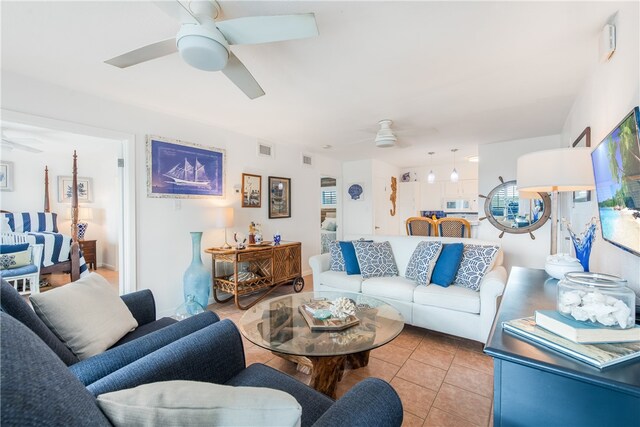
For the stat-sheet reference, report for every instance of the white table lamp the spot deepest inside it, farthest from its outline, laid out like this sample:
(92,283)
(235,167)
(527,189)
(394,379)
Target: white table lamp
(223,218)
(554,171)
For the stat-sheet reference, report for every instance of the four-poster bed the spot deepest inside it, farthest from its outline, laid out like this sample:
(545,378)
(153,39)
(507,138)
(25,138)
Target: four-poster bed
(61,252)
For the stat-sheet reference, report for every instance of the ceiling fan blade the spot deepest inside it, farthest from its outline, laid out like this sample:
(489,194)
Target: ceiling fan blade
(11,145)
(241,77)
(177,10)
(143,54)
(267,29)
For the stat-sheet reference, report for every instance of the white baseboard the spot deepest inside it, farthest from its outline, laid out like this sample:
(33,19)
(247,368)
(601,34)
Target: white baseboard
(108,267)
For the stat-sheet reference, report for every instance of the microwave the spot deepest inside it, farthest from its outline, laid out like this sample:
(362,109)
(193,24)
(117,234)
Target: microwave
(456,205)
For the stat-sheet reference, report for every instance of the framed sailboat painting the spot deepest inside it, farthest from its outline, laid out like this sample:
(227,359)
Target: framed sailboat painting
(181,169)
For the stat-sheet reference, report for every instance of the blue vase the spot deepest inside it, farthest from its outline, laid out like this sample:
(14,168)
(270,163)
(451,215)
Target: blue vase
(583,243)
(197,279)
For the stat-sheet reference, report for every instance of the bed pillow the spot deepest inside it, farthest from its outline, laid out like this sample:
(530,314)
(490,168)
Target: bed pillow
(87,315)
(476,261)
(192,403)
(375,259)
(447,265)
(329,224)
(25,222)
(337,260)
(15,256)
(422,262)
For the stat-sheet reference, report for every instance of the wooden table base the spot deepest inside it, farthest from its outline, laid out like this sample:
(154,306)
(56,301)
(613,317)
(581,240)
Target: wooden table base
(327,371)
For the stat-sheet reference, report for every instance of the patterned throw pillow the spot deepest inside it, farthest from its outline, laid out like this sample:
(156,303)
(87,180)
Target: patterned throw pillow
(476,260)
(14,256)
(337,260)
(422,262)
(375,259)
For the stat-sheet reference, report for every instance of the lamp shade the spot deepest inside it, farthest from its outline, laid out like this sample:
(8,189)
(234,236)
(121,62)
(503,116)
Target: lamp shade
(222,217)
(84,213)
(563,169)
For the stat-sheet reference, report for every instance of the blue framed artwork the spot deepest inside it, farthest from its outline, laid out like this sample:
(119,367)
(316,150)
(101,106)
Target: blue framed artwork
(181,169)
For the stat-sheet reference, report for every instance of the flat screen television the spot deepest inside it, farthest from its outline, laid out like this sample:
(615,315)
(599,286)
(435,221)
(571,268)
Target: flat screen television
(616,169)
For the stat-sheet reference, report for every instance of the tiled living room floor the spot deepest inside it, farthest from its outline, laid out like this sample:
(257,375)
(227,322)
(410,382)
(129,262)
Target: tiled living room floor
(442,380)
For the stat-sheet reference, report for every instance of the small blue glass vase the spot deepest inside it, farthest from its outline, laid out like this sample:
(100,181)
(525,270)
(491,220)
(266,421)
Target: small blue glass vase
(197,279)
(583,243)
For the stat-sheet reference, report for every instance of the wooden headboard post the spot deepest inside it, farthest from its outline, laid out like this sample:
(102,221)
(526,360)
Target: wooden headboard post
(75,247)
(46,190)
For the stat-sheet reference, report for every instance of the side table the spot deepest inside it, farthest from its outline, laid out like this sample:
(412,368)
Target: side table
(273,266)
(535,386)
(88,248)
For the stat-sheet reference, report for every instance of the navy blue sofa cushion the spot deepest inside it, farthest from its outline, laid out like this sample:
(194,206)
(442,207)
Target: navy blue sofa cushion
(36,387)
(447,265)
(12,303)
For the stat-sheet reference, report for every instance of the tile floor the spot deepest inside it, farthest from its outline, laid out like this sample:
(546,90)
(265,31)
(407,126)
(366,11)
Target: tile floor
(442,380)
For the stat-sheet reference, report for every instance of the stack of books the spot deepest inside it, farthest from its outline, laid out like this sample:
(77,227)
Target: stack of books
(596,345)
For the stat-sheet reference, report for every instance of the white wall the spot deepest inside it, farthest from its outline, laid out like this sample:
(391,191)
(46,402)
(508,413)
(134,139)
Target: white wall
(98,162)
(363,216)
(163,225)
(357,215)
(499,159)
(611,91)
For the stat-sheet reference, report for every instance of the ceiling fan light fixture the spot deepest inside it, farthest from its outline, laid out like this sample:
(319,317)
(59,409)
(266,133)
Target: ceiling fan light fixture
(385,137)
(203,47)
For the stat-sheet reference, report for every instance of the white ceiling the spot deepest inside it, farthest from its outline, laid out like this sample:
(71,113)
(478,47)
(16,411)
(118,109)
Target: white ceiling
(450,74)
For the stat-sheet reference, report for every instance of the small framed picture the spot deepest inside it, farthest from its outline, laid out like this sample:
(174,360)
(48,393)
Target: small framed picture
(6,176)
(65,189)
(279,197)
(251,190)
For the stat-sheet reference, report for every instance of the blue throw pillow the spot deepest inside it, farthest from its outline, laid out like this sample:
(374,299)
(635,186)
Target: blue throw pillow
(9,249)
(447,264)
(350,260)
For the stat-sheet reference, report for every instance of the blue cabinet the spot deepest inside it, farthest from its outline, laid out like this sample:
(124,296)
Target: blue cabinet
(535,386)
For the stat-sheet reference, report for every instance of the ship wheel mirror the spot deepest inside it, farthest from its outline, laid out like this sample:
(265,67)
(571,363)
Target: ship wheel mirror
(511,212)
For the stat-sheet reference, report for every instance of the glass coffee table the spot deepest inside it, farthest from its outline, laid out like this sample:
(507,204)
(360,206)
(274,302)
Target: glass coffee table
(277,325)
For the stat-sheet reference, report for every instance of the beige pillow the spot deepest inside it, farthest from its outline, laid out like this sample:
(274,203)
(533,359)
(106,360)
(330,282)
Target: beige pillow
(87,315)
(191,403)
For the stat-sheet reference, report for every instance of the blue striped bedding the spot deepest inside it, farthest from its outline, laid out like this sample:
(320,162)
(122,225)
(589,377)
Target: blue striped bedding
(57,248)
(25,222)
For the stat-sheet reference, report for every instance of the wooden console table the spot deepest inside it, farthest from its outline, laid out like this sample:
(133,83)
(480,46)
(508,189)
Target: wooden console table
(274,266)
(535,386)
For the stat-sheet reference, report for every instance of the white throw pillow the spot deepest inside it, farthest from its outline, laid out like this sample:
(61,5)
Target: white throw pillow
(191,403)
(87,315)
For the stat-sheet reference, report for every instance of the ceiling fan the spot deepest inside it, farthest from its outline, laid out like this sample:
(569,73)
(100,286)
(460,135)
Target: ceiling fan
(20,144)
(386,137)
(204,42)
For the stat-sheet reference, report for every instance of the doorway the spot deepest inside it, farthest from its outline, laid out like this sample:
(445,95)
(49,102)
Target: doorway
(328,212)
(105,158)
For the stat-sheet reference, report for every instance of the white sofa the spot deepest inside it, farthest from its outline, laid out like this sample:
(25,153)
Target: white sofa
(454,310)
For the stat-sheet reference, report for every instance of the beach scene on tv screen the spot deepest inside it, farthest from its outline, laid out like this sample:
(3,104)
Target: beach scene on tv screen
(616,165)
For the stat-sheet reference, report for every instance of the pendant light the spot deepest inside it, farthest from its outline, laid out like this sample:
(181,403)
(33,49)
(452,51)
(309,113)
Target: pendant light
(431,178)
(454,173)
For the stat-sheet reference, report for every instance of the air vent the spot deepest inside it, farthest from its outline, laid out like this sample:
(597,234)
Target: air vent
(307,160)
(265,150)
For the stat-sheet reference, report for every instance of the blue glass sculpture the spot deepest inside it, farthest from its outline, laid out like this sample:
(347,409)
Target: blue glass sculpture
(583,242)
(197,279)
